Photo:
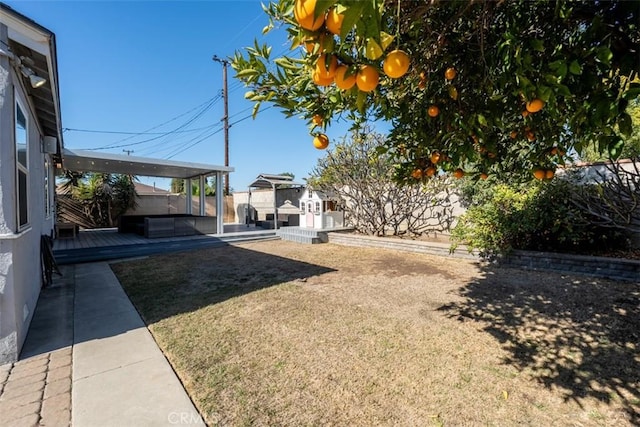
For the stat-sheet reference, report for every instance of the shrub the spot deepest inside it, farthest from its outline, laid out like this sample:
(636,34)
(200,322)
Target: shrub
(540,217)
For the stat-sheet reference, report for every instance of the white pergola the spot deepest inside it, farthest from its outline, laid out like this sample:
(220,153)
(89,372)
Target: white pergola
(92,161)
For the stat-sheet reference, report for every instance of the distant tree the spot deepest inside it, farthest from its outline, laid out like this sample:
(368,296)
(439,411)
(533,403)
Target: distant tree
(374,203)
(105,196)
(631,147)
(177,185)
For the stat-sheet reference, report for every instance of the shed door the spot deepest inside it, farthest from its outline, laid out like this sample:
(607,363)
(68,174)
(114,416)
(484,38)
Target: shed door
(310,215)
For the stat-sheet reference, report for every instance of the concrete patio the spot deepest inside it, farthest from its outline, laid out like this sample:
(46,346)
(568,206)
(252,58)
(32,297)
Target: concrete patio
(90,360)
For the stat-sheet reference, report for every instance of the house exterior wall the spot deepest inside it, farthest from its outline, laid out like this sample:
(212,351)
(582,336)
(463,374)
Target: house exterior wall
(20,267)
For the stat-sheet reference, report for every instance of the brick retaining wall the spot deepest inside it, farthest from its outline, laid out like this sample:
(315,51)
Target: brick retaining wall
(611,268)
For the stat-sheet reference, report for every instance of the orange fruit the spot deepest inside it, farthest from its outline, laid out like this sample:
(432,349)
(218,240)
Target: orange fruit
(535,105)
(450,74)
(513,134)
(525,113)
(539,174)
(367,78)
(324,71)
(430,171)
(303,12)
(343,82)
(554,151)
(396,64)
(417,173)
(324,42)
(483,176)
(433,111)
(317,120)
(435,157)
(549,174)
(321,81)
(531,136)
(453,93)
(321,141)
(458,173)
(334,21)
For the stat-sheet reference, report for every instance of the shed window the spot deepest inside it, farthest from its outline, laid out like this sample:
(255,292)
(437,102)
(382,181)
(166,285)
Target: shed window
(22,166)
(317,206)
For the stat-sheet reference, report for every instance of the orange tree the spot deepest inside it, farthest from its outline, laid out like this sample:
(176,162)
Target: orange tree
(504,88)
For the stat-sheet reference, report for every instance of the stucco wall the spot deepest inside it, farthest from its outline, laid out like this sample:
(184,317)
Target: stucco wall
(20,269)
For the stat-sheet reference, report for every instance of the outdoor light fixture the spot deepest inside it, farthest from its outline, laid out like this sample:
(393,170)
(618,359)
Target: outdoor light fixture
(35,80)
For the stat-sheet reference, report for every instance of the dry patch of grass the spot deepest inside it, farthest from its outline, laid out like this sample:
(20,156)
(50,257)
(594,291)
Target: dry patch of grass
(278,333)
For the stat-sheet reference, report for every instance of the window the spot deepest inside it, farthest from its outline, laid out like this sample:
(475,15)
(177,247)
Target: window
(47,192)
(22,165)
(318,207)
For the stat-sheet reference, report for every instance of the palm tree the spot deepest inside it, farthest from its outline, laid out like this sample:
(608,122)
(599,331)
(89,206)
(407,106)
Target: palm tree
(105,194)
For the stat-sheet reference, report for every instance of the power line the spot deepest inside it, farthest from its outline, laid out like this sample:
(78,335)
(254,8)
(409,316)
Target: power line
(130,133)
(188,122)
(209,135)
(206,104)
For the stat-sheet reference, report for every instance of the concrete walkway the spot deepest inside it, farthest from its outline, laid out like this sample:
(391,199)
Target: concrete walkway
(90,359)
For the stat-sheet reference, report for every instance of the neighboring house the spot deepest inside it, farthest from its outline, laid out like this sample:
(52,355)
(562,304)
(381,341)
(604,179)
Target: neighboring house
(149,190)
(30,147)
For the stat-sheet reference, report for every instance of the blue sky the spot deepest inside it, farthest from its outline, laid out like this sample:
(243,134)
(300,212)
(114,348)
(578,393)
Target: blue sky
(131,66)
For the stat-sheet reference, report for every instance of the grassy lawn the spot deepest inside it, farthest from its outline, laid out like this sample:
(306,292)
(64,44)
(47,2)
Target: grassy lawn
(278,333)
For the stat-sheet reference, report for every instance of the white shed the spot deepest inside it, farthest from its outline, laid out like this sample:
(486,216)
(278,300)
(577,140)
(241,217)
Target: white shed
(319,210)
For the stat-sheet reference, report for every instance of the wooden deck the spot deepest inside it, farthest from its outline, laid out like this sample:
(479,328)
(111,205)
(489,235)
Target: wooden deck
(110,237)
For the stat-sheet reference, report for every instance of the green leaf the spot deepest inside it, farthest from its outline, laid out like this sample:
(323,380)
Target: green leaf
(545,93)
(351,16)
(360,101)
(322,6)
(537,45)
(633,92)
(561,71)
(604,55)
(575,68)
(248,72)
(482,120)
(615,147)
(256,108)
(625,124)
(285,62)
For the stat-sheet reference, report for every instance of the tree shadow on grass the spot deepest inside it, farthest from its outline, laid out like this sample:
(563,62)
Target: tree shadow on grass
(575,334)
(166,285)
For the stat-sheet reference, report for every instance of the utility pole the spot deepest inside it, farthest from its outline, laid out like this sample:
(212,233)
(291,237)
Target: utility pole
(225,96)
(127,151)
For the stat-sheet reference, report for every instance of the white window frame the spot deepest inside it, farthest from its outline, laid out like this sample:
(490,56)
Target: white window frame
(47,188)
(20,168)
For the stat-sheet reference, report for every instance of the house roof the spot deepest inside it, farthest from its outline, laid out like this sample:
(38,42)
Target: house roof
(144,189)
(272,181)
(92,161)
(37,45)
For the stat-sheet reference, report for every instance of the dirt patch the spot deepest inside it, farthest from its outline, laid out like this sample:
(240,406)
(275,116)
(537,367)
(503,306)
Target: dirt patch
(279,333)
